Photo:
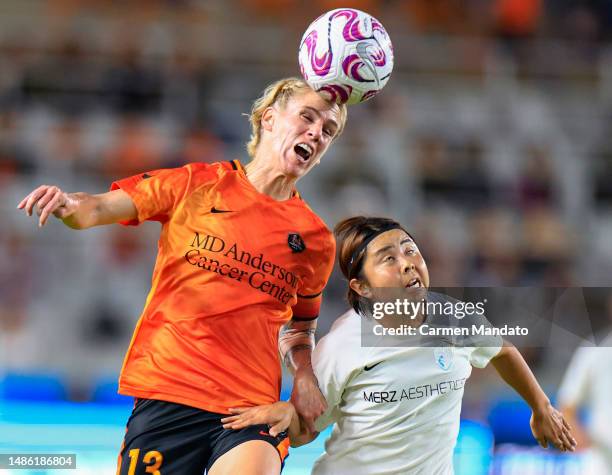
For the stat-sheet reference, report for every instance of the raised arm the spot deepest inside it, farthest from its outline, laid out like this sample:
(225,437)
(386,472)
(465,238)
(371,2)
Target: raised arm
(547,423)
(79,210)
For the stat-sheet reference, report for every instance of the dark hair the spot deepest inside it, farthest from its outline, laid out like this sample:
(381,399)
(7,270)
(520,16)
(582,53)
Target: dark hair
(351,234)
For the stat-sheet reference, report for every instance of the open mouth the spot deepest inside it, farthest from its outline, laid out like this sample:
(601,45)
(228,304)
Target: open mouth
(414,283)
(304,151)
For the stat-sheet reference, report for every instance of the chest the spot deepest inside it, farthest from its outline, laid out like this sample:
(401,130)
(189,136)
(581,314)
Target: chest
(411,377)
(270,246)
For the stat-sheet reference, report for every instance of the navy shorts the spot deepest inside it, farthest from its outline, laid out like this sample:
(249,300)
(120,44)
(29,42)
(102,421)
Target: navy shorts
(164,437)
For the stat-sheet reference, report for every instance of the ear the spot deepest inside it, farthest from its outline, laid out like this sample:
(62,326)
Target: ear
(360,287)
(267,118)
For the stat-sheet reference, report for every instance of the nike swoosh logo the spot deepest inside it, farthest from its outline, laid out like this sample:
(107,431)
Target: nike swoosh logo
(280,435)
(368,368)
(362,52)
(215,210)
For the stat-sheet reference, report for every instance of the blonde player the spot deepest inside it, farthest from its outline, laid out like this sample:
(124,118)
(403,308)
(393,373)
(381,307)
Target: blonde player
(241,258)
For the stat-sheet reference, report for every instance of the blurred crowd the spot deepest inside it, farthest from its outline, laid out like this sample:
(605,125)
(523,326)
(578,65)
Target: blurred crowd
(492,142)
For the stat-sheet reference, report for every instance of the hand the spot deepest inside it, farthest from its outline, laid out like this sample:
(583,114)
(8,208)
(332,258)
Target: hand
(278,416)
(48,199)
(548,425)
(306,397)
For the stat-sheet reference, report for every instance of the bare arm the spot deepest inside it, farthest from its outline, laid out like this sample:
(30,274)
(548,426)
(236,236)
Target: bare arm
(547,424)
(79,210)
(296,342)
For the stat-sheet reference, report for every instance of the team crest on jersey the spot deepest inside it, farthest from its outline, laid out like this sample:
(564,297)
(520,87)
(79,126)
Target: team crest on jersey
(445,357)
(296,243)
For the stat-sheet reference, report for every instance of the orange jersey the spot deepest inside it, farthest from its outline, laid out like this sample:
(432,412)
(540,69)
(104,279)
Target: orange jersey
(233,266)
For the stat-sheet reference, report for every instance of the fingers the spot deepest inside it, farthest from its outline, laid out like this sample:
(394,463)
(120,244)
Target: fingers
(277,428)
(41,196)
(235,422)
(49,208)
(237,425)
(566,426)
(23,202)
(309,423)
(243,417)
(568,442)
(34,197)
(227,420)
(45,198)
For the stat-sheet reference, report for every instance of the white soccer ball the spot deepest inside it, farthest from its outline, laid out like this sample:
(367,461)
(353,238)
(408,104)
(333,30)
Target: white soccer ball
(346,55)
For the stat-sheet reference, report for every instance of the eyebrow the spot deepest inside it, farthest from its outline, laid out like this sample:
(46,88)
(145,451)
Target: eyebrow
(382,250)
(317,112)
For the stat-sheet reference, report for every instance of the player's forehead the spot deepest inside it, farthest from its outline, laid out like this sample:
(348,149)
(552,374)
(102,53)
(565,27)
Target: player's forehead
(391,239)
(311,100)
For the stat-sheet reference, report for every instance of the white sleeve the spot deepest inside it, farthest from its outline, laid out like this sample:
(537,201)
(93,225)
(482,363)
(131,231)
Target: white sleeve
(575,385)
(482,347)
(481,355)
(331,380)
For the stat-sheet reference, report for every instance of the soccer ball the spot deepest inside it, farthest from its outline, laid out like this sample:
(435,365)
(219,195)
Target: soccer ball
(346,55)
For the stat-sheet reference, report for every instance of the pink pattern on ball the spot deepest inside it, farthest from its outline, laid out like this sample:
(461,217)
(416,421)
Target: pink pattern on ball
(351,31)
(336,92)
(320,65)
(367,95)
(378,57)
(351,65)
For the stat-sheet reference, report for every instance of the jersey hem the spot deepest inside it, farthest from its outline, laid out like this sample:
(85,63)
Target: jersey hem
(160,396)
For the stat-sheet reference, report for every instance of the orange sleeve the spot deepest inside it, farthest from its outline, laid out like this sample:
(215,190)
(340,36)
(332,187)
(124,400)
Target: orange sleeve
(156,193)
(311,292)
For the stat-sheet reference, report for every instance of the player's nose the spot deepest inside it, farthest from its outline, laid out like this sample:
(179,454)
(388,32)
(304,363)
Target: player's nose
(407,265)
(315,130)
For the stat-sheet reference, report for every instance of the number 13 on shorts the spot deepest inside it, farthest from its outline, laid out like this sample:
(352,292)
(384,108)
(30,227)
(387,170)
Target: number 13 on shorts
(152,459)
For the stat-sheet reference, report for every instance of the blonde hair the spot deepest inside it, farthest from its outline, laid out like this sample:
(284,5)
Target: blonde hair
(279,93)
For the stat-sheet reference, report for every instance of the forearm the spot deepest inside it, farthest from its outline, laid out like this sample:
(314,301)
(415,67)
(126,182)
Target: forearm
(85,209)
(513,369)
(296,342)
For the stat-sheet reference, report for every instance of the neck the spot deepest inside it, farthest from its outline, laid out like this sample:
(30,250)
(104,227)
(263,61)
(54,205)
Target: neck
(269,181)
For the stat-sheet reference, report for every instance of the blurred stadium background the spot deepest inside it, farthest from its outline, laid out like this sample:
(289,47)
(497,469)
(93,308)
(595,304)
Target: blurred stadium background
(492,142)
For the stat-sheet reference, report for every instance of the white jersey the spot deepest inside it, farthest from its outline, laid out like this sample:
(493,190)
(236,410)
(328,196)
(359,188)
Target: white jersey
(588,383)
(395,410)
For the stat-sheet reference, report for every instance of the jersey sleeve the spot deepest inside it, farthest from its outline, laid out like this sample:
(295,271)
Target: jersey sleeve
(156,193)
(575,385)
(480,356)
(483,347)
(310,293)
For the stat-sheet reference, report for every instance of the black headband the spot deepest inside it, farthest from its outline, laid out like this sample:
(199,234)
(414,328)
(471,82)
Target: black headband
(368,239)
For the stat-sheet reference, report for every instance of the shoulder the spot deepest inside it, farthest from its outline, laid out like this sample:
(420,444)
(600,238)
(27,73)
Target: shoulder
(200,171)
(314,221)
(344,333)
(339,356)
(318,233)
